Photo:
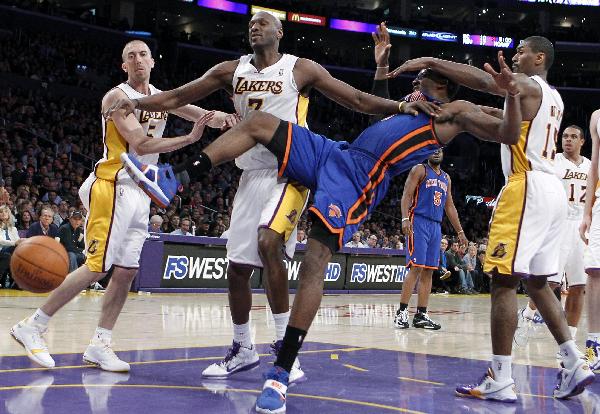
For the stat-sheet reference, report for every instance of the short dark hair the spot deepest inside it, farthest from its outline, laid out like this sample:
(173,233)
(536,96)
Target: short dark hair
(579,129)
(540,44)
(451,86)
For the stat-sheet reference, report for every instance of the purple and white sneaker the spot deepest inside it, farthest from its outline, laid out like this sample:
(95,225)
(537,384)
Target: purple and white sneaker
(238,359)
(158,181)
(489,389)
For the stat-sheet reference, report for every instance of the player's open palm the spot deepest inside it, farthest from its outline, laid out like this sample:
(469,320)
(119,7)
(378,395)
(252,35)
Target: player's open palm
(381,38)
(199,126)
(505,79)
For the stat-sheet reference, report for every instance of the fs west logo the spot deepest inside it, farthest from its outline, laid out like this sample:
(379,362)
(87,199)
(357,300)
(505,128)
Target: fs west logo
(365,273)
(181,267)
(332,273)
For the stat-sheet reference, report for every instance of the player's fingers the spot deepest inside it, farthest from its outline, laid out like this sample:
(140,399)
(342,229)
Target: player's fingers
(375,38)
(395,72)
(489,69)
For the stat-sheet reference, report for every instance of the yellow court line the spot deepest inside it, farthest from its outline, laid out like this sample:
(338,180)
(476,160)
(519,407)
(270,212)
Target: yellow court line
(420,380)
(534,395)
(166,361)
(196,388)
(355,368)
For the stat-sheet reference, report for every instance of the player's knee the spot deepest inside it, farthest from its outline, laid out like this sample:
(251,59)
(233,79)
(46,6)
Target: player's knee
(576,291)
(123,275)
(269,245)
(238,274)
(261,125)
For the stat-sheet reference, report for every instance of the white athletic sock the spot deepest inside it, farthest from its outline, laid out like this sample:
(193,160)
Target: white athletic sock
(594,337)
(281,320)
(102,335)
(528,312)
(573,330)
(39,318)
(242,335)
(570,353)
(502,367)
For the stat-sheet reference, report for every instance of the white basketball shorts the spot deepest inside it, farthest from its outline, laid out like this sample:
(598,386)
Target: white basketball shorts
(571,256)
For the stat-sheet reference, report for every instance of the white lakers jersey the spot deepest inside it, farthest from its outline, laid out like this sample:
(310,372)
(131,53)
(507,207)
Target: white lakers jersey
(536,148)
(271,90)
(573,178)
(153,124)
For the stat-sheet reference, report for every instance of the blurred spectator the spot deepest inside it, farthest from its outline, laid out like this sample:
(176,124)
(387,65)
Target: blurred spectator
(184,229)
(44,227)
(301,237)
(355,242)
(470,262)
(71,236)
(372,242)
(4,196)
(155,224)
(441,274)
(25,221)
(484,287)
(203,229)
(62,214)
(9,239)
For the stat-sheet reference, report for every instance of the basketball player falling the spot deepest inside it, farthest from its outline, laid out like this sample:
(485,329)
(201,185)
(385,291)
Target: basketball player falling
(117,221)
(349,181)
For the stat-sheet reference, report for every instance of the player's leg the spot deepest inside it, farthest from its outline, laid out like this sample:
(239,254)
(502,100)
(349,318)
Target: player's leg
(416,245)
(321,244)
(408,286)
(97,196)
(421,318)
(278,232)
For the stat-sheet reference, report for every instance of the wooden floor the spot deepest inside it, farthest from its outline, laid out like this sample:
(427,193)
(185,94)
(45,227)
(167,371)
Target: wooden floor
(192,320)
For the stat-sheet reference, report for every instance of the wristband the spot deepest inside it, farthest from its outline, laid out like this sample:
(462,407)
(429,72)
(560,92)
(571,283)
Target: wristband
(462,231)
(383,67)
(405,219)
(400,105)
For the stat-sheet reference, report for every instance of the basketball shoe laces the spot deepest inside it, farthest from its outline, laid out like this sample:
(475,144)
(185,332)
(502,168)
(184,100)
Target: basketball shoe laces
(38,339)
(231,353)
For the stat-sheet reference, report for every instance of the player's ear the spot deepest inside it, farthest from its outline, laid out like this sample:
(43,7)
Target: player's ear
(540,57)
(124,67)
(152,65)
(279,34)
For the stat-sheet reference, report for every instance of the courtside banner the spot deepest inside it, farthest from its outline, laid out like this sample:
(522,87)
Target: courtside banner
(335,273)
(196,266)
(375,272)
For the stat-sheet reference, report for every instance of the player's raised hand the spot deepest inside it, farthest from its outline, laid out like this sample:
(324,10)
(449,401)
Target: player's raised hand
(199,126)
(412,65)
(505,79)
(428,108)
(584,227)
(381,39)
(125,104)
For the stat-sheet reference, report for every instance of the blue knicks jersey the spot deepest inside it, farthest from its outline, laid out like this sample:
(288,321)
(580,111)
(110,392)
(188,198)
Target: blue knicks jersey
(430,195)
(386,149)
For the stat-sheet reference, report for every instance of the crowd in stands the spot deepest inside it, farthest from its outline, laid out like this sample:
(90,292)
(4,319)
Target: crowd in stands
(48,144)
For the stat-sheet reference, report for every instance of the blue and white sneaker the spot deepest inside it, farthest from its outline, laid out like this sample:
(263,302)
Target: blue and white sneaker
(537,318)
(158,181)
(489,389)
(296,374)
(238,359)
(573,381)
(272,398)
(592,354)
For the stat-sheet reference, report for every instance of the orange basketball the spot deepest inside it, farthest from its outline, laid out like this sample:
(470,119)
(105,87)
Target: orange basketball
(39,264)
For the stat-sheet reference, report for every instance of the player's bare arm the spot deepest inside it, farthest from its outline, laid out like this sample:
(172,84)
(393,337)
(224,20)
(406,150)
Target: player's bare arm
(131,130)
(452,214)
(310,74)
(416,175)
(220,120)
(217,77)
(592,178)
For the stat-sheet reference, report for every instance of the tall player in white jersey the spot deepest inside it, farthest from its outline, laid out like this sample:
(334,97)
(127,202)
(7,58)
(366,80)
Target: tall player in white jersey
(265,209)
(591,224)
(117,221)
(527,223)
(572,169)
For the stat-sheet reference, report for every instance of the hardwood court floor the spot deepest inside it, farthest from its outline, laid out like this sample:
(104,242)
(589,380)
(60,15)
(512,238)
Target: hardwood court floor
(354,359)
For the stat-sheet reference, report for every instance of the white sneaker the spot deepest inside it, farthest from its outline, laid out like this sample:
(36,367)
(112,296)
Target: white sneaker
(100,353)
(524,329)
(573,381)
(31,337)
(401,319)
(238,359)
(489,389)
(97,286)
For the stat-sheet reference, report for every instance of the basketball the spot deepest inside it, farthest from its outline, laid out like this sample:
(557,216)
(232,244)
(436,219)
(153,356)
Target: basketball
(39,264)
